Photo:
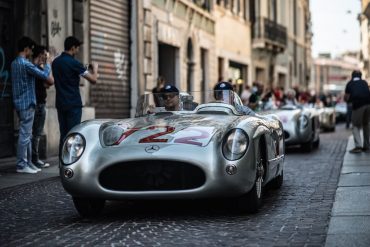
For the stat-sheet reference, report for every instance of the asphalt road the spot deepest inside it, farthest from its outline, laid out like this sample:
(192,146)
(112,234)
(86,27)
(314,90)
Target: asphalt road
(42,214)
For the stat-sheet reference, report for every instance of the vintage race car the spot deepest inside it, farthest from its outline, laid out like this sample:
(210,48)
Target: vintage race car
(341,111)
(327,118)
(301,126)
(210,151)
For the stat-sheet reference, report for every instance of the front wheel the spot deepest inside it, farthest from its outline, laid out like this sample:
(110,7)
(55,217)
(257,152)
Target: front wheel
(88,207)
(316,144)
(252,200)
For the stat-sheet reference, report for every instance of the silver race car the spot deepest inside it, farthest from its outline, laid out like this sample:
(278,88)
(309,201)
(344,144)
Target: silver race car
(327,118)
(301,126)
(190,149)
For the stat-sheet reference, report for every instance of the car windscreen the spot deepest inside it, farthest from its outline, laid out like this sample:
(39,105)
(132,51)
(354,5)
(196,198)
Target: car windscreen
(151,103)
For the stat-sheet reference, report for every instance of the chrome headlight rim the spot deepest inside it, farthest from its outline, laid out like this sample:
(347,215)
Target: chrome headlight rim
(227,153)
(301,124)
(102,134)
(74,134)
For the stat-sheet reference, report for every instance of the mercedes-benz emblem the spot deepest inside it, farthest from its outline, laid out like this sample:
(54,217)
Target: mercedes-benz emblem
(152,149)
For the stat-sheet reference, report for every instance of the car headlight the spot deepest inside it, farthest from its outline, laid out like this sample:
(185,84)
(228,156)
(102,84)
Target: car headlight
(111,134)
(235,144)
(303,122)
(73,147)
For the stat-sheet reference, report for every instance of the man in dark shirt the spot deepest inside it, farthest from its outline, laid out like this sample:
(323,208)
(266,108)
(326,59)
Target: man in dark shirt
(67,71)
(357,92)
(40,57)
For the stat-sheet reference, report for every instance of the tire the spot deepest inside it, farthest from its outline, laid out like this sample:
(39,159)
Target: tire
(88,207)
(316,144)
(252,200)
(307,147)
(277,182)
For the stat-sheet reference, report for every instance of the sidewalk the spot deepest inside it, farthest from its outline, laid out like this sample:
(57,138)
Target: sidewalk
(350,216)
(9,178)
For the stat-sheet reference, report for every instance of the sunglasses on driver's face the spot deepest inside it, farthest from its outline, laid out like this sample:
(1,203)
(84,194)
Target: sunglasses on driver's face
(168,96)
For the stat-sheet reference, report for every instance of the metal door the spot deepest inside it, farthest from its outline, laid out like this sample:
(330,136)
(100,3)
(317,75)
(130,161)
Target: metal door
(110,48)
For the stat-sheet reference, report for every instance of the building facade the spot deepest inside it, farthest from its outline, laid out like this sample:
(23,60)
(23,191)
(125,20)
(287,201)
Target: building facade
(330,75)
(191,43)
(104,28)
(269,40)
(174,40)
(233,42)
(293,66)
(364,18)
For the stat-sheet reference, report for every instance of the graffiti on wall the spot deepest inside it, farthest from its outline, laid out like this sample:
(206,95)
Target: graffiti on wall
(4,74)
(119,63)
(55,28)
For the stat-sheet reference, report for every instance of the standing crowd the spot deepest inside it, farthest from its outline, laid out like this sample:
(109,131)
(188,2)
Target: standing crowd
(357,94)
(32,73)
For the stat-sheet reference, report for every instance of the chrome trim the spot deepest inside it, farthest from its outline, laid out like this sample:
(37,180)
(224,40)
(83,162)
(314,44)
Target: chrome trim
(276,161)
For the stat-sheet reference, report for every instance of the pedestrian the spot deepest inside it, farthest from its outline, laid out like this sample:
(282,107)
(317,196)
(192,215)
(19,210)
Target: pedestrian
(289,98)
(67,71)
(245,95)
(256,95)
(357,92)
(23,74)
(40,57)
(348,114)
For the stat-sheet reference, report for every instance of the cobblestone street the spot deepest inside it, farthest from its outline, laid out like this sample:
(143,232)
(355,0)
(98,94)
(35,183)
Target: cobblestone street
(42,213)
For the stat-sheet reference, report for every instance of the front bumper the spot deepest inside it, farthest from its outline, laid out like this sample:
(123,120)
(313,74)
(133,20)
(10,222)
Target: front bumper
(131,173)
(294,136)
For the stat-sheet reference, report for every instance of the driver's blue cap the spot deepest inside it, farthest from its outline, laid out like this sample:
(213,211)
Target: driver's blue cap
(223,86)
(168,88)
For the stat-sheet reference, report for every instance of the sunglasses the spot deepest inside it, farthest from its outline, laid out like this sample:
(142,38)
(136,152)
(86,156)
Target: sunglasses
(168,96)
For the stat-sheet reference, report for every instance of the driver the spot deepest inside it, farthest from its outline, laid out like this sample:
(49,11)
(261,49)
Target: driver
(228,98)
(170,96)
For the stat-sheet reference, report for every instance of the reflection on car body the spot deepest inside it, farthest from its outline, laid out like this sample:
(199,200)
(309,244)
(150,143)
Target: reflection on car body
(211,151)
(301,126)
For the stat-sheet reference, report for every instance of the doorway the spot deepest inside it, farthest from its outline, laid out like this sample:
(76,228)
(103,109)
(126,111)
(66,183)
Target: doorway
(168,63)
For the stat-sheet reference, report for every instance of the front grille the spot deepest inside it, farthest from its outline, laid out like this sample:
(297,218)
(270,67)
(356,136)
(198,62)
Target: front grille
(150,175)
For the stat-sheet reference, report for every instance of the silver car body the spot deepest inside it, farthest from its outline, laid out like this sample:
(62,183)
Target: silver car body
(327,118)
(301,125)
(174,155)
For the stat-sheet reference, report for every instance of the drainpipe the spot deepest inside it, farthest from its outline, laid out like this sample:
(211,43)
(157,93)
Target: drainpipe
(136,50)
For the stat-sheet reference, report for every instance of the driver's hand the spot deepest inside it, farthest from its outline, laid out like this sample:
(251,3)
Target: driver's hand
(151,109)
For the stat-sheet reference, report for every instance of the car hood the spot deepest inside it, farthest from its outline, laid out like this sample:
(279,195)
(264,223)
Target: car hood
(286,116)
(171,128)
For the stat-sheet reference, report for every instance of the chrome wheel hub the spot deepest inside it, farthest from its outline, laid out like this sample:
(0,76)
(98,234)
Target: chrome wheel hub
(259,181)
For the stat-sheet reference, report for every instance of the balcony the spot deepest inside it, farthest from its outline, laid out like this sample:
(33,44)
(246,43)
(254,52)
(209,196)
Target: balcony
(268,34)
